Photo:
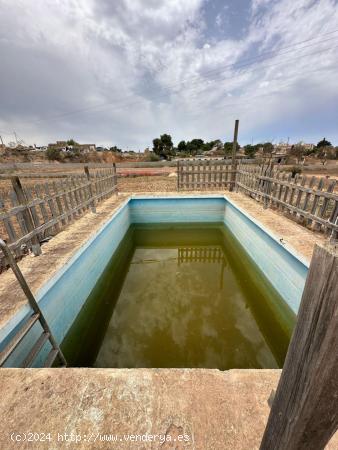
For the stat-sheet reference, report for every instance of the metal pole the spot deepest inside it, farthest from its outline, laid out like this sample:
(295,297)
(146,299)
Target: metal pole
(30,297)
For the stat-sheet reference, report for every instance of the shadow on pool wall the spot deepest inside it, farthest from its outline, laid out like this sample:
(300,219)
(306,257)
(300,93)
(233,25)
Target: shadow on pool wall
(199,245)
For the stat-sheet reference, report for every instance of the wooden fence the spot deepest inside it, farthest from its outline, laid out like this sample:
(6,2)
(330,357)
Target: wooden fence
(32,212)
(205,175)
(304,413)
(310,200)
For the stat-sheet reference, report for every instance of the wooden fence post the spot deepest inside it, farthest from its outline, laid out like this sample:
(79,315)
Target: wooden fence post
(115,179)
(178,175)
(233,162)
(26,213)
(304,414)
(93,205)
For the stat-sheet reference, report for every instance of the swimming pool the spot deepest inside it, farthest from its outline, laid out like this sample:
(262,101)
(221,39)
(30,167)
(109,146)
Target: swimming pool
(63,297)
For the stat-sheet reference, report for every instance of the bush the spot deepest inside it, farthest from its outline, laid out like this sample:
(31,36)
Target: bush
(152,157)
(295,170)
(54,154)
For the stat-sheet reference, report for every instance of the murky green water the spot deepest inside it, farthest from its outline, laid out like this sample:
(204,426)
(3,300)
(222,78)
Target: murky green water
(181,296)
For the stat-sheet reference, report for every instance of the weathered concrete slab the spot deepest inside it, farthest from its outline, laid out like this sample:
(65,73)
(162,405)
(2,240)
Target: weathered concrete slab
(215,410)
(300,238)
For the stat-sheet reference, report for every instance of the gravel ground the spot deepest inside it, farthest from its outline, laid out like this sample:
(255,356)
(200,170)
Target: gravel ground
(147,184)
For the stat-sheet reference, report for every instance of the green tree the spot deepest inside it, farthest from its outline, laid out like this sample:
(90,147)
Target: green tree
(207,146)
(228,148)
(267,148)
(115,149)
(182,146)
(323,143)
(157,146)
(195,146)
(163,146)
(71,142)
(250,150)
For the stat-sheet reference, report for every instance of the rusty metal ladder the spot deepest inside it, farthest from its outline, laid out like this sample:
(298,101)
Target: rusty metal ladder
(36,316)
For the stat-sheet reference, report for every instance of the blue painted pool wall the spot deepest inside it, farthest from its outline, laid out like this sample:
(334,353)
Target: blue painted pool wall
(284,270)
(62,298)
(177,210)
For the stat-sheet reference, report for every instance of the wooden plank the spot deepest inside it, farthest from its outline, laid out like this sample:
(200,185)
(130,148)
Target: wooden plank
(300,193)
(209,175)
(66,200)
(115,177)
(58,192)
(286,193)
(316,201)
(42,203)
(17,213)
(334,221)
(307,215)
(325,204)
(293,189)
(77,199)
(26,214)
(304,413)
(30,201)
(221,176)
(178,176)
(11,234)
(51,206)
(79,183)
(307,198)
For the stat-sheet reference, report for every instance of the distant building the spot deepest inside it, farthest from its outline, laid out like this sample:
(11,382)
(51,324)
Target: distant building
(283,148)
(86,148)
(306,146)
(65,147)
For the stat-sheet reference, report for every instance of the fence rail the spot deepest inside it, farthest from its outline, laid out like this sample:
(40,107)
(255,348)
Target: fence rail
(31,213)
(200,175)
(310,200)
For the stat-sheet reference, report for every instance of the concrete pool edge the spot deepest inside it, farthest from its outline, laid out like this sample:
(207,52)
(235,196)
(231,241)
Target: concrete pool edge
(139,401)
(48,286)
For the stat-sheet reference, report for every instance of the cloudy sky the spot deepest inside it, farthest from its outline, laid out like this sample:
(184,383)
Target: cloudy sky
(124,71)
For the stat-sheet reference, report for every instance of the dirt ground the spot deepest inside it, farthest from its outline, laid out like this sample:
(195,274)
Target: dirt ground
(150,184)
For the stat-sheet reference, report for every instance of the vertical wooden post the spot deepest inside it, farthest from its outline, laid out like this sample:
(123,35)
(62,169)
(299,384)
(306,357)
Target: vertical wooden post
(233,162)
(93,205)
(178,175)
(26,214)
(304,414)
(115,178)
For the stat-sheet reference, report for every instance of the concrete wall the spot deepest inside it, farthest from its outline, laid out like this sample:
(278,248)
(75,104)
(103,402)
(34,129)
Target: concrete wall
(63,296)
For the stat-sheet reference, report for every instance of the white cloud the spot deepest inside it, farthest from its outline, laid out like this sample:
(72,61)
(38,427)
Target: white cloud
(149,67)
